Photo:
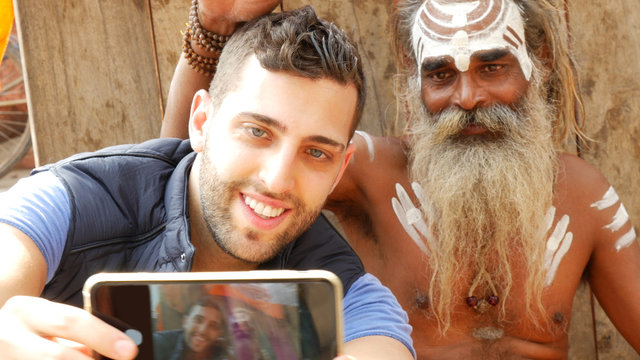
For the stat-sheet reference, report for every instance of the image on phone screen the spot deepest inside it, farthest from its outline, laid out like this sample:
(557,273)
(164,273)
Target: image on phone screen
(264,320)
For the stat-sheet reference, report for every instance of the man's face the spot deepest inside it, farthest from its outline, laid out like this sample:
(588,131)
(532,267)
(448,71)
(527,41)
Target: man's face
(470,55)
(202,328)
(482,151)
(273,152)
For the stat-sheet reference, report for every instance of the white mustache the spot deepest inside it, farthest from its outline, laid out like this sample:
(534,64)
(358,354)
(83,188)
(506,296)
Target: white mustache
(498,119)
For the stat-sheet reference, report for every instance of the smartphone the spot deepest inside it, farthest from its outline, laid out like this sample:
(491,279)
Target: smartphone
(246,315)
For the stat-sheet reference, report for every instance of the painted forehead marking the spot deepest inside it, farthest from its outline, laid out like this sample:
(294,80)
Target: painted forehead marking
(459,29)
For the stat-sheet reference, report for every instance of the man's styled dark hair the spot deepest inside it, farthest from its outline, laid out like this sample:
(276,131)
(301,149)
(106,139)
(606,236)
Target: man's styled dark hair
(208,301)
(295,42)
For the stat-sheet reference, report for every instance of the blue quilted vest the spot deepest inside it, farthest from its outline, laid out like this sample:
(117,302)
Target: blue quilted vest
(129,213)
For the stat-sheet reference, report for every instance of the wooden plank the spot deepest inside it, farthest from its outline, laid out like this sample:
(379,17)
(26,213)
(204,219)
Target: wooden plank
(606,45)
(90,72)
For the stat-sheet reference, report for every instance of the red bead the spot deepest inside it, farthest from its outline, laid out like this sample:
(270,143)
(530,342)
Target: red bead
(472,301)
(493,300)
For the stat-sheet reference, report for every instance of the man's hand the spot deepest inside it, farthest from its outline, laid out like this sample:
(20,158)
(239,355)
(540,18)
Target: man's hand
(222,16)
(35,328)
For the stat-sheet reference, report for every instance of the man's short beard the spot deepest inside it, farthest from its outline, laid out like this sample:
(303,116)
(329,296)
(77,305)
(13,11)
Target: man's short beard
(216,197)
(486,198)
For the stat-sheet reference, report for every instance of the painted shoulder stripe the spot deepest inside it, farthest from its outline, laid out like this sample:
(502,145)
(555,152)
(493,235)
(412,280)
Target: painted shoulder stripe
(626,240)
(619,219)
(609,198)
(369,141)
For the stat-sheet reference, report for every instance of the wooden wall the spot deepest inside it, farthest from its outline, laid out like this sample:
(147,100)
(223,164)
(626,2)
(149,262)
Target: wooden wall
(99,70)
(606,38)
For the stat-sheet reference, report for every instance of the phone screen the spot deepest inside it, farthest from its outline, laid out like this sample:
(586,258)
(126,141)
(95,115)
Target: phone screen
(244,320)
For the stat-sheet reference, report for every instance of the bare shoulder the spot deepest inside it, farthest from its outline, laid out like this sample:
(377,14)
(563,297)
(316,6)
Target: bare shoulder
(579,179)
(376,162)
(584,193)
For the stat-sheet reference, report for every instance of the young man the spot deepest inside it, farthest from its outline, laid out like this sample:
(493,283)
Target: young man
(267,145)
(201,337)
(474,219)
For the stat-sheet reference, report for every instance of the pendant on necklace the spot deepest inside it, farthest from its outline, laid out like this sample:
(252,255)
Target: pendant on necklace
(483,305)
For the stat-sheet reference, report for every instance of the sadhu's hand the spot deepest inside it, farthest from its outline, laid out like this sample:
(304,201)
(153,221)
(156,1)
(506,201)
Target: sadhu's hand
(222,16)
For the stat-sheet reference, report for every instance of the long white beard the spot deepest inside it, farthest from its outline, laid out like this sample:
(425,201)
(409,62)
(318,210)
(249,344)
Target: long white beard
(485,197)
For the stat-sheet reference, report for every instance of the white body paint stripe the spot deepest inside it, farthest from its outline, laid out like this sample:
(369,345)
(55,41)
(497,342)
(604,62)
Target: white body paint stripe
(626,240)
(566,244)
(369,141)
(410,216)
(555,239)
(619,219)
(609,198)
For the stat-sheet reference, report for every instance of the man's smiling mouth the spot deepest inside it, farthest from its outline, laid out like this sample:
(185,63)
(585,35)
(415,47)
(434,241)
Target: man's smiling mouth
(261,209)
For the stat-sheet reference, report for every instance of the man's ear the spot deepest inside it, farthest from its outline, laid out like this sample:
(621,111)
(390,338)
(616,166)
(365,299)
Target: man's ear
(351,148)
(198,117)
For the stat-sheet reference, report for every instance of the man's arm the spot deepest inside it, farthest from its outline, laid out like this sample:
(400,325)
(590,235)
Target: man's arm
(614,265)
(34,328)
(614,275)
(23,270)
(376,327)
(377,347)
(218,16)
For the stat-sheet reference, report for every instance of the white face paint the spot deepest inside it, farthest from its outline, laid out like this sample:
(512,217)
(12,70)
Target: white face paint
(460,29)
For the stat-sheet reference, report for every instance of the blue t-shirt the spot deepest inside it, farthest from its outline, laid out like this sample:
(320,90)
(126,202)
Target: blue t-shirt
(39,206)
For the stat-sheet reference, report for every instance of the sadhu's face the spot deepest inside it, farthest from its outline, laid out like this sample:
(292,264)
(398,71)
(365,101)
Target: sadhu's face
(470,55)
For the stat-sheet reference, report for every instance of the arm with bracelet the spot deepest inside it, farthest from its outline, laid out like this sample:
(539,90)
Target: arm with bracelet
(211,22)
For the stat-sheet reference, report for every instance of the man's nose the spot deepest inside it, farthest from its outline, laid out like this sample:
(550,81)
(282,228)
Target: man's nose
(468,94)
(278,170)
(201,328)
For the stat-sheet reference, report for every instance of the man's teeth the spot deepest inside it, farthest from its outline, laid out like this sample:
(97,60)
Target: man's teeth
(261,209)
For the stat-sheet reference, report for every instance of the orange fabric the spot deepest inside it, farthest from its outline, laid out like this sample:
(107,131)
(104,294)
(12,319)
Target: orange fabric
(6,22)
(271,309)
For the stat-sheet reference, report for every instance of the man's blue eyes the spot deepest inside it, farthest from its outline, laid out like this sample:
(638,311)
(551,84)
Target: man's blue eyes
(316,153)
(260,133)
(257,132)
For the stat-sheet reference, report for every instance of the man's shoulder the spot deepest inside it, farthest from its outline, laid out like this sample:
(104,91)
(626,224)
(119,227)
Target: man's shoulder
(167,150)
(167,343)
(378,163)
(167,336)
(578,177)
(386,151)
(321,247)
(585,195)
